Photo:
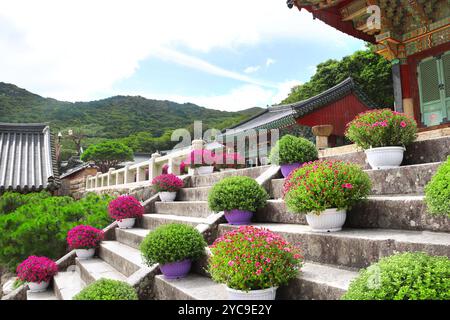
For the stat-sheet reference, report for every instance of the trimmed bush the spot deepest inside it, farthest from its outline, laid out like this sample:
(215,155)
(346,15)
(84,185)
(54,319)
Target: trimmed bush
(107,289)
(125,207)
(321,185)
(291,149)
(406,276)
(40,228)
(238,192)
(437,191)
(171,243)
(381,128)
(252,258)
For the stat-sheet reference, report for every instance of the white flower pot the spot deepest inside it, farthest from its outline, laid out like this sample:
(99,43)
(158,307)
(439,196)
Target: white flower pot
(38,287)
(167,196)
(205,170)
(328,221)
(126,223)
(85,254)
(264,294)
(385,157)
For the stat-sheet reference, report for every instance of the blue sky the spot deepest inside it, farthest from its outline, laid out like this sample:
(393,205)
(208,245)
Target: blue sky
(231,57)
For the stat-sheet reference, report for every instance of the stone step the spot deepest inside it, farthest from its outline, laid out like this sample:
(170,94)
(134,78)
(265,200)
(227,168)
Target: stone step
(211,179)
(193,287)
(67,284)
(403,180)
(386,212)
(356,248)
(45,295)
(315,282)
(94,269)
(193,194)
(125,259)
(184,208)
(154,220)
(131,237)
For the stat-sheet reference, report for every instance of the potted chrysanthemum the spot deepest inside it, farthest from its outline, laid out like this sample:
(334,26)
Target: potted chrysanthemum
(383,134)
(125,209)
(202,161)
(37,271)
(84,240)
(167,185)
(324,190)
(253,262)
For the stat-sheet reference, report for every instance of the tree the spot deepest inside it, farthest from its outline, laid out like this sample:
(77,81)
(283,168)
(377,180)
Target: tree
(107,154)
(371,71)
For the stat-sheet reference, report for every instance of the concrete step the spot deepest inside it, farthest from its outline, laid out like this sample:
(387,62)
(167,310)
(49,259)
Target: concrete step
(131,237)
(403,180)
(193,287)
(94,269)
(125,259)
(46,295)
(184,208)
(386,212)
(154,220)
(193,194)
(67,284)
(356,248)
(211,179)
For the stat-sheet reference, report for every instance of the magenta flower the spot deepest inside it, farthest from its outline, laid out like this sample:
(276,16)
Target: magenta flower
(125,207)
(167,183)
(403,124)
(347,186)
(37,269)
(84,237)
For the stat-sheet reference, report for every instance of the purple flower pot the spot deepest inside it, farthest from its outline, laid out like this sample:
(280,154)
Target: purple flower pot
(286,169)
(238,217)
(177,269)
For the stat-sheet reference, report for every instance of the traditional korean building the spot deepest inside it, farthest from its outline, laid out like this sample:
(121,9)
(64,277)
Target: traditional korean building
(414,35)
(335,106)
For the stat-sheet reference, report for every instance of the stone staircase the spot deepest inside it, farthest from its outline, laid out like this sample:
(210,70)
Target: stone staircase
(393,219)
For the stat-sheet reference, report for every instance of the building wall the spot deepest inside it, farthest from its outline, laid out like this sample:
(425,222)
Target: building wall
(75,184)
(338,114)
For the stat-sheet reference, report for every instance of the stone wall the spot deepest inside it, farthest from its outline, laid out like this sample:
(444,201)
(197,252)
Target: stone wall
(75,184)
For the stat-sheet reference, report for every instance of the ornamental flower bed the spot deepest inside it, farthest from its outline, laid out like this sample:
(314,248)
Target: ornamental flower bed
(167,183)
(125,207)
(251,258)
(84,237)
(37,269)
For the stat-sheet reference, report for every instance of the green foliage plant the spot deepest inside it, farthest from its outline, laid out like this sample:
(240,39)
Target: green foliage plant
(10,201)
(107,289)
(237,192)
(405,276)
(107,154)
(321,185)
(290,149)
(437,191)
(172,243)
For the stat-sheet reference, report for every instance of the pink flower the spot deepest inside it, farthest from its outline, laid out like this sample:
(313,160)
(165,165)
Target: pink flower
(84,237)
(403,124)
(167,183)
(231,263)
(125,207)
(347,186)
(37,269)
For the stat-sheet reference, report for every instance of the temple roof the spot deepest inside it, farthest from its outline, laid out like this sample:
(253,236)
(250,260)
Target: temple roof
(285,115)
(27,157)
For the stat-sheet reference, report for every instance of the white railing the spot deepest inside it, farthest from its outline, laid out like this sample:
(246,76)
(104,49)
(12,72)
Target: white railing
(136,174)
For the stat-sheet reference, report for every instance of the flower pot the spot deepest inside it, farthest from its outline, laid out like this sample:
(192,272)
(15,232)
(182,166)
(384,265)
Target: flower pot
(177,269)
(84,254)
(286,169)
(385,157)
(205,170)
(167,196)
(238,217)
(328,221)
(38,287)
(126,223)
(227,169)
(264,294)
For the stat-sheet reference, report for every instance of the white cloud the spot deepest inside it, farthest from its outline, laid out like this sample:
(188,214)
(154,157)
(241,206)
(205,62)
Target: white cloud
(74,49)
(269,62)
(252,69)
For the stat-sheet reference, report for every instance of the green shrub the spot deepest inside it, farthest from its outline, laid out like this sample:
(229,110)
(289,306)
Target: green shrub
(171,243)
(322,185)
(437,191)
(40,227)
(407,276)
(10,201)
(107,289)
(237,192)
(291,149)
